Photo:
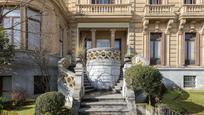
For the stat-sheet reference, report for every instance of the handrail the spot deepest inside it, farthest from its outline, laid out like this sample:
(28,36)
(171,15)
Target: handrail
(66,81)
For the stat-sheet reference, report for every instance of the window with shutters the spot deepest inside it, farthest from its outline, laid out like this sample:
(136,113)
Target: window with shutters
(189,1)
(155,1)
(190,48)
(189,81)
(155,48)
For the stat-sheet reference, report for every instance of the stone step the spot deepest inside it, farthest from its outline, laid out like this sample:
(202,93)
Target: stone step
(110,97)
(89,90)
(89,87)
(102,104)
(104,111)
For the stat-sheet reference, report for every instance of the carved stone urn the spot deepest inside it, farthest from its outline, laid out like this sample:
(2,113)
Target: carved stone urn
(103,67)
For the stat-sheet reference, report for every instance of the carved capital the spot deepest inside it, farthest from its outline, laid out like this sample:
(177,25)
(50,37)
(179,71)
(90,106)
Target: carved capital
(145,25)
(169,26)
(157,26)
(192,26)
(182,24)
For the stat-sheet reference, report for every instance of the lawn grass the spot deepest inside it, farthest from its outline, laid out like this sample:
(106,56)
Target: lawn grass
(185,101)
(27,109)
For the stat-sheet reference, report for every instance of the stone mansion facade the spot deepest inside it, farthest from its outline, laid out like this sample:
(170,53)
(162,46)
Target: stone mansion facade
(168,33)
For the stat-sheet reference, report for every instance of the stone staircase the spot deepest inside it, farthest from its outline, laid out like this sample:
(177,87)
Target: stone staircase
(103,103)
(118,87)
(87,85)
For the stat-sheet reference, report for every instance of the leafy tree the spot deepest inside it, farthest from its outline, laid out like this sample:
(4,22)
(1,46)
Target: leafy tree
(146,78)
(6,50)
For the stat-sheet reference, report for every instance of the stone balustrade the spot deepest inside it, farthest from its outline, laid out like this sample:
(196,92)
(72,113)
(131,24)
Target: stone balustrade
(66,81)
(104,9)
(192,11)
(153,11)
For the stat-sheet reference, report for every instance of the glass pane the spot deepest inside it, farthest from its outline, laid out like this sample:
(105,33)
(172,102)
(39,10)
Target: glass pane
(17,33)
(6,86)
(88,44)
(103,43)
(186,50)
(117,44)
(14,13)
(151,49)
(33,34)
(7,23)
(33,14)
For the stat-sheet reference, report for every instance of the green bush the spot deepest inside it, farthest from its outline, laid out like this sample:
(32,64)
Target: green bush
(144,78)
(49,103)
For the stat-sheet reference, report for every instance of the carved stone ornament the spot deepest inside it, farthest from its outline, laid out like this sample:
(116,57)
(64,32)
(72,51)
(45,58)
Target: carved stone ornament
(139,60)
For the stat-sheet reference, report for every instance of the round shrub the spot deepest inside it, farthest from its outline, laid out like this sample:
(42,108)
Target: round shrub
(144,78)
(49,103)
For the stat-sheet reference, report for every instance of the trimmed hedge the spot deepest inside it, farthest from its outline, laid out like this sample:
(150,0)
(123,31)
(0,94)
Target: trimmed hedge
(49,103)
(146,78)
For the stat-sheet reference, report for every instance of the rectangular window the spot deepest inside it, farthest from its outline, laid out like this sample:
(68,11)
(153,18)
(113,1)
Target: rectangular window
(103,43)
(190,48)
(40,84)
(189,81)
(12,26)
(33,29)
(155,48)
(155,1)
(6,86)
(102,1)
(189,1)
(118,44)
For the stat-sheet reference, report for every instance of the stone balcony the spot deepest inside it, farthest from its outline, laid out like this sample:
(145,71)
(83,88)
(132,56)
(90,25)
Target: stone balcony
(103,10)
(159,11)
(192,11)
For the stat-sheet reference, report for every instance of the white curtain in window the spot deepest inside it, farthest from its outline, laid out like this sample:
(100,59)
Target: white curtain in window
(192,50)
(157,49)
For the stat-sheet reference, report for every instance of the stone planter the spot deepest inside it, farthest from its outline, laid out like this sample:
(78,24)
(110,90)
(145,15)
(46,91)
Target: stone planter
(103,67)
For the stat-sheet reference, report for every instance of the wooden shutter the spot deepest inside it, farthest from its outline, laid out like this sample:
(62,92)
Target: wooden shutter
(197,49)
(163,49)
(182,50)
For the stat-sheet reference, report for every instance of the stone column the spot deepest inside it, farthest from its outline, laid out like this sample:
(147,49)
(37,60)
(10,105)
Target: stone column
(79,80)
(93,38)
(113,38)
